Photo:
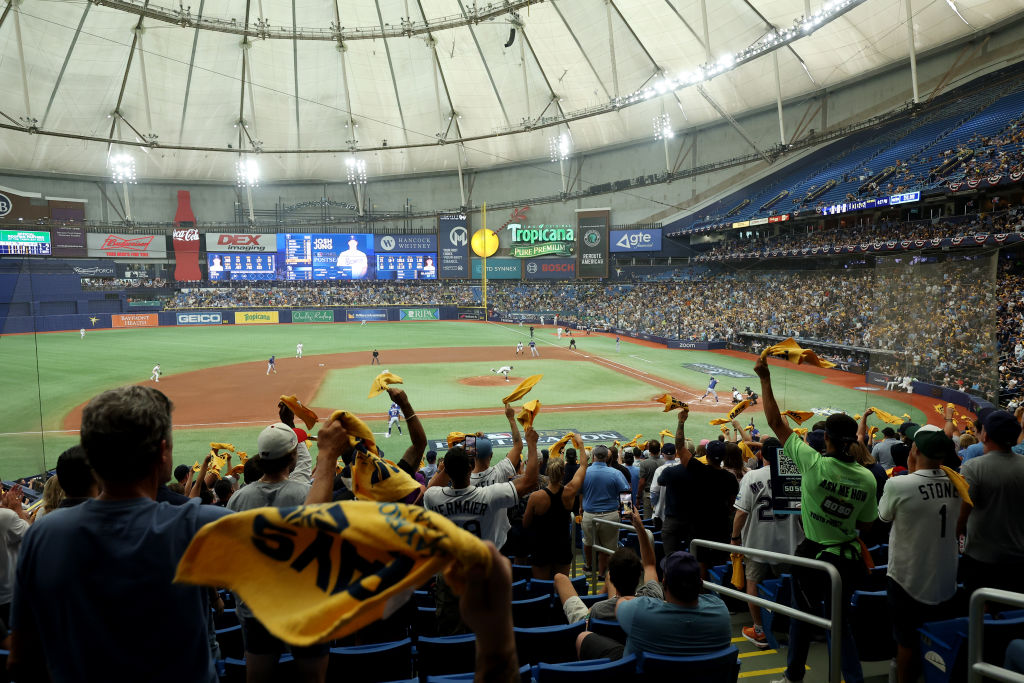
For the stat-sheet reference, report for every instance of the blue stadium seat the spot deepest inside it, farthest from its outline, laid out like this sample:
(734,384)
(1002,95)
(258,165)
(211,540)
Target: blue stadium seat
(521,590)
(946,645)
(226,620)
(778,590)
(234,671)
(426,621)
(522,572)
(446,655)
(879,554)
(547,587)
(424,598)
(230,640)
(525,676)
(589,671)
(548,643)
(877,579)
(535,612)
(371,663)
(722,666)
(872,626)
(609,628)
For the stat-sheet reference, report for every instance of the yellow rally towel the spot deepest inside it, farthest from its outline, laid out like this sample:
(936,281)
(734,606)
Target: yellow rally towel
(905,416)
(528,414)
(703,459)
(555,451)
(790,351)
(888,418)
(962,487)
(799,416)
(634,441)
(940,409)
(240,467)
(738,578)
(381,383)
(738,408)
(308,417)
(671,402)
(725,430)
(218,446)
(871,431)
(373,477)
(455,438)
(745,450)
(318,572)
(667,434)
(523,389)
(720,421)
(800,431)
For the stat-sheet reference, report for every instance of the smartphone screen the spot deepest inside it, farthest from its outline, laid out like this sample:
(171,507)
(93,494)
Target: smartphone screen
(470,445)
(625,505)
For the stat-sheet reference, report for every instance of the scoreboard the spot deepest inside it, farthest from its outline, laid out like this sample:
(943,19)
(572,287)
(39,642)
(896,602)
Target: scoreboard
(25,242)
(406,266)
(317,256)
(248,266)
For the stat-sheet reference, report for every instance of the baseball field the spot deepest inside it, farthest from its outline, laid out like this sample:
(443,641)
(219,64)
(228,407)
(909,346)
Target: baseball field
(217,378)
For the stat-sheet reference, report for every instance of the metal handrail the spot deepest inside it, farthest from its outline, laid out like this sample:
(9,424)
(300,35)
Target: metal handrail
(976,669)
(610,551)
(833,624)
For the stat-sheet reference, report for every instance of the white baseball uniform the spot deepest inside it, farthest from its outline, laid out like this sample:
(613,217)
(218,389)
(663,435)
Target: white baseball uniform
(82,332)
(559,332)
(519,349)
(298,350)
(156,373)
(503,370)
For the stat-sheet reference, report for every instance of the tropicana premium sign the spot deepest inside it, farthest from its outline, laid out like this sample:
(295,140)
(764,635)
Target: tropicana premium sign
(542,240)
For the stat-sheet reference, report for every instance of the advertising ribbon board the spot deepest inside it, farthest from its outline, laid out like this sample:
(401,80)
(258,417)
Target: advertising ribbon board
(256,317)
(68,240)
(353,314)
(592,260)
(114,245)
(550,269)
(419,314)
(312,316)
(404,243)
(241,242)
(215,318)
(144,304)
(134,320)
(546,437)
(498,268)
(453,246)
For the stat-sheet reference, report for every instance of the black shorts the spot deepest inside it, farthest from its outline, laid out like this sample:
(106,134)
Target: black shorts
(259,641)
(908,615)
(597,646)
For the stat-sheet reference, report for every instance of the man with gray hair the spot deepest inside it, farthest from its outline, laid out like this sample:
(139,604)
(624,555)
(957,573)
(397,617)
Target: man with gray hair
(601,488)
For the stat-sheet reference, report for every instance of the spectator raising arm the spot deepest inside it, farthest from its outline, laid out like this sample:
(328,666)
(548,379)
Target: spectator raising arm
(515,454)
(776,422)
(486,608)
(862,427)
(332,443)
(682,452)
(197,485)
(414,454)
(647,556)
(526,483)
(575,485)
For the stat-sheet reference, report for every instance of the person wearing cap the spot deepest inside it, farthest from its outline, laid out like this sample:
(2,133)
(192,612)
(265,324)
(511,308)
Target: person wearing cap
(601,488)
(657,499)
(648,466)
(686,623)
(923,548)
(977,449)
(994,553)
(837,499)
(506,469)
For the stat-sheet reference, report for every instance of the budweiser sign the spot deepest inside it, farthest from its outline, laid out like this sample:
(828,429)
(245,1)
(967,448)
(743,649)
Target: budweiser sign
(127,243)
(240,242)
(115,245)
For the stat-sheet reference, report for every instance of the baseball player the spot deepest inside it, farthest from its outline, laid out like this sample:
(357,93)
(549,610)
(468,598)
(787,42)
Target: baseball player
(362,324)
(711,389)
(156,373)
(82,332)
(394,415)
(572,344)
(298,350)
(503,370)
(559,332)
(531,331)
(533,348)
(376,357)
(272,365)
(618,344)
(519,349)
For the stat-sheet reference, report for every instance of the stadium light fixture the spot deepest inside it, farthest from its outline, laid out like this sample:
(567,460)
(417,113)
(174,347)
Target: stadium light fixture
(248,171)
(663,127)
(560,146)
(356,171)
(122,168)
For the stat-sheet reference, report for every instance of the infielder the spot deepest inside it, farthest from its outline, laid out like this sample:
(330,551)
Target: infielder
(533,348)
(82,332)
(394,414)
(572,344)
(618,344)
(298,350)
(503,370)
(559,332)
(711,389)
(519,349)
(376,358)
(156,373)
(362,323)
(272,365)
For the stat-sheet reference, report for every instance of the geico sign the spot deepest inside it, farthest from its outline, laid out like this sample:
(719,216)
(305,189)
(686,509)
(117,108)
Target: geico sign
(558,267)
(199,318)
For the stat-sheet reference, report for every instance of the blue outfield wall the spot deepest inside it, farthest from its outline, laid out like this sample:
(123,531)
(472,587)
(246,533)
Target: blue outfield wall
(943,394)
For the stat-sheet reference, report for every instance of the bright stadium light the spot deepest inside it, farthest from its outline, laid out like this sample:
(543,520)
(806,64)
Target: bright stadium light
(248,172)
(356,171)
(663,127)
(560,146)
(122,168)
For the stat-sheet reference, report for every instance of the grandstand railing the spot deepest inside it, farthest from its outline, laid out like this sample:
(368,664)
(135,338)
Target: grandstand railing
(833,624)
(977,669)
(608,551)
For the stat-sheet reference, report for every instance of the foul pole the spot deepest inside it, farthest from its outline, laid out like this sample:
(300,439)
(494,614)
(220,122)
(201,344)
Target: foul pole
(483,269)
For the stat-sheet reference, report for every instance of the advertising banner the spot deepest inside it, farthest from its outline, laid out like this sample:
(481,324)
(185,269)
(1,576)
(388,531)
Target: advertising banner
(93,268)
(404,243)
(453,244)
(476,313)
(542,240)
(353,314)
(134,320)
(138,303)
(419,314)
(256,318)
(499,268)
(68,240)
(593,242)
(307,256)
(240,242)
(215,318)
(114,245)
(550,269)
(220,266)
(186,254)
(635,240)
(312,316)
(25,242)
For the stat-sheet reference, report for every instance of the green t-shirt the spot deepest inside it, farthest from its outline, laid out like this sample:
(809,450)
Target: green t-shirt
(834,495)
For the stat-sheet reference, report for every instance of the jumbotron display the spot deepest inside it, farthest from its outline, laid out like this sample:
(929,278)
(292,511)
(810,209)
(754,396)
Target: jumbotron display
(314,256)
(223,267)
(406,266)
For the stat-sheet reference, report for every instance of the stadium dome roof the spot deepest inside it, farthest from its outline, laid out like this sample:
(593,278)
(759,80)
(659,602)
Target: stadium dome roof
(394,79)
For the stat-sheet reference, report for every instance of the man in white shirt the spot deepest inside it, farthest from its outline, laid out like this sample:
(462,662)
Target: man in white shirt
(484,473)
(298,350)
(657,490)
(923,545)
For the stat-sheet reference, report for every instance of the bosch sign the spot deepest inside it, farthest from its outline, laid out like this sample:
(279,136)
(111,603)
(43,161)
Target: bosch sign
(550,269)
(5,205)
(635,240)
(226,241)
(200,318)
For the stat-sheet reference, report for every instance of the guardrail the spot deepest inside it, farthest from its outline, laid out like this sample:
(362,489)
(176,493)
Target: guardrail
(609,551)
(977,669)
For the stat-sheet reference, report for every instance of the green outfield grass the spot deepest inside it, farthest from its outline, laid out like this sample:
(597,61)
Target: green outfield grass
(49,374)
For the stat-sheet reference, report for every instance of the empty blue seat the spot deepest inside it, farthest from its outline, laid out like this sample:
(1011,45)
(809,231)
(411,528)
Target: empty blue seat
(525,676)
(589,671)
(424,598)
(234,671)
(871,623)
(607,627)
(877,579)
(535,612)
(548,643)
(521,590)
(521,572)
(945,643)
(446,655)
(370,663)
(722,666)
(426,621)
(224,620)
(778,590)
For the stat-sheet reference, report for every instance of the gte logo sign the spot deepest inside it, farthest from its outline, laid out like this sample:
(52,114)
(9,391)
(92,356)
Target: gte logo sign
(200,318)
(634,240)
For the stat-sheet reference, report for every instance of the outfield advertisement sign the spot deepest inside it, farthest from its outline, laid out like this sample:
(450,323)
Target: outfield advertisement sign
(139,303)
(114,245)
(593,242)
(419,314)
(530,241)
(634,240)
(312,316)
(241,242)
(200,318)
(134,320)
(68,240)
(498,268)
(353,314)
(256,318)
(404,243)
(546,438)
(550,269)
(453,245)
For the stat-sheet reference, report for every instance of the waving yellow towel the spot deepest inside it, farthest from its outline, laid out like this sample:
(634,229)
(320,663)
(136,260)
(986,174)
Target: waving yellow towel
(792,352)
(308,417)
(381,383)
(799,416)
(529,412)
(671,402)
(523,389)
(373,477)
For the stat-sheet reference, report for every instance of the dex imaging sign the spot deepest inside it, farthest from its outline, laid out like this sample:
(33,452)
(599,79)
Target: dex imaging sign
(635,240)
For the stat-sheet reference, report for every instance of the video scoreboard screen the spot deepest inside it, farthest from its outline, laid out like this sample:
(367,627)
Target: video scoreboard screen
(253,266)
(25,242)
(407,266)
(313,256)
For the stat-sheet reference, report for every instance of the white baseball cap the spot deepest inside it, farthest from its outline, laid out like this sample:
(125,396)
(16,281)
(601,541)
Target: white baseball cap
(276,441)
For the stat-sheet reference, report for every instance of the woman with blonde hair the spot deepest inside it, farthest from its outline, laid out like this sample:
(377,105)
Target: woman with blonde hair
(546,520)
(53,494)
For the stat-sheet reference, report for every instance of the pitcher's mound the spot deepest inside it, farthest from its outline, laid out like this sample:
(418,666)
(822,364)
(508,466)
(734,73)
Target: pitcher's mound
(490,381)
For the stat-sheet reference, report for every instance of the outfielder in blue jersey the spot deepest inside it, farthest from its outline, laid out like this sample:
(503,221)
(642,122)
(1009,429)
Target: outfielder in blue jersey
(394,415)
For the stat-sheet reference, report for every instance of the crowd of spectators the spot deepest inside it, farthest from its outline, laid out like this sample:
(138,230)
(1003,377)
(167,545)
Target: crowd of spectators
(328,293)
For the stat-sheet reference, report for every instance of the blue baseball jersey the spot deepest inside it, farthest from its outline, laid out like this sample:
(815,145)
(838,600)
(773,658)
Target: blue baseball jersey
(271,361)
(533,343)
(393,410)
(713,383)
